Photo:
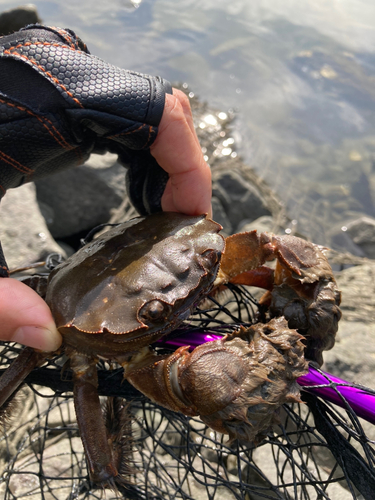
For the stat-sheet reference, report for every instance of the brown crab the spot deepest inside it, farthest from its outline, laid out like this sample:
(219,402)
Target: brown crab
(140,280)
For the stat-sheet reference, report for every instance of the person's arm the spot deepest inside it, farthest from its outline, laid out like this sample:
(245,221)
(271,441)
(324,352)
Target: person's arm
(61,132)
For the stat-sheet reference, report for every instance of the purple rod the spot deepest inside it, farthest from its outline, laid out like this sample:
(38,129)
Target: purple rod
(330,388)
(320,383)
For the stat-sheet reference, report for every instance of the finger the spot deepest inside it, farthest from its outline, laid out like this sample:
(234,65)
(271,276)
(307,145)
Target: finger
(185,103)
(178,152)
(25,317)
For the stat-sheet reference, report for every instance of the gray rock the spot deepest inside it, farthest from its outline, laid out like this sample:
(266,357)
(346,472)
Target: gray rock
(15,19)
(240,199)
(353,356)
(361,191)
(362,233)
(219,215)
(265,223)
(23,231)
(341,239)
(270,471)
(79,199)
(109,171)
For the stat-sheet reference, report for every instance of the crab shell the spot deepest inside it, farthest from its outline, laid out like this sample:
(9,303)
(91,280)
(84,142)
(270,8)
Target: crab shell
(135,283)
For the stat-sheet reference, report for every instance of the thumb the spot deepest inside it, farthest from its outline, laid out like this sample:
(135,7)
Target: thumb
(25,317)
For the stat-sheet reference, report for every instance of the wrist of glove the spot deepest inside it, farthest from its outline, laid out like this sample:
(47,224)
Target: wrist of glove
(59,103)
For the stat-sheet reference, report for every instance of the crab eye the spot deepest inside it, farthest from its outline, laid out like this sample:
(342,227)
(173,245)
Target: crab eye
(155,310)
(209,258)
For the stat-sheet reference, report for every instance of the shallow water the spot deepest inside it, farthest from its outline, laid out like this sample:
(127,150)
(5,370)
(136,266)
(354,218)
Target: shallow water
(300,75)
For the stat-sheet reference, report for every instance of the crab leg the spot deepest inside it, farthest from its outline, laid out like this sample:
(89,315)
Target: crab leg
(90,419)
(13,377)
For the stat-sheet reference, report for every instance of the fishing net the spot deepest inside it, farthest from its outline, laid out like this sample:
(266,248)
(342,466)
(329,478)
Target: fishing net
(318,451)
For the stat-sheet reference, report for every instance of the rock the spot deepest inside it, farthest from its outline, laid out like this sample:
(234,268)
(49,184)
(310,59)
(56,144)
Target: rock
(270,475)
(23,231)
(219,215)
(55,457)
(109,171)
(263,224)
(362,233)
(361,191)
(342,240)
(213,128)
(15,19)
(353,356)
(239,198)
(81,198)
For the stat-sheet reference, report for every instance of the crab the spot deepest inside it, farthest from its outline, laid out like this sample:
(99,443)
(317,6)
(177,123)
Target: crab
(140,280)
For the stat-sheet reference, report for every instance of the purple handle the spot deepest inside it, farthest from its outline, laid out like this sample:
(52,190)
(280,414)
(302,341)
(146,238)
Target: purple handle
(362,402)
(316,382)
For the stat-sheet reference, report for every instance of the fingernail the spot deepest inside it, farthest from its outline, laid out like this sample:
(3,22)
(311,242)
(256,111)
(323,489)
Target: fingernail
(38,338)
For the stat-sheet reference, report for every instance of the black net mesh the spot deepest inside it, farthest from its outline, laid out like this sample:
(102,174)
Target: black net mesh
(318,451)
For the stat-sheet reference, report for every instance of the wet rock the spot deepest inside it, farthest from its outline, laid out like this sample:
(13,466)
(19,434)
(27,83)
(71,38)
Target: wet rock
(270,472)
(341,239)
(362,233)
(220,216)
(213,128)
(353,356)
(263,224)
(76,200)
(238,197)
(15,19)
(361,191)
(23,231)
(109,171)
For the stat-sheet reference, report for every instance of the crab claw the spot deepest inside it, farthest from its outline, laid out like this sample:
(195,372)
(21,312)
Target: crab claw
(302,288)
(235,384)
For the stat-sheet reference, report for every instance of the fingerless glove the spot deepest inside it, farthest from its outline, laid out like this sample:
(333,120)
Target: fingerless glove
(59,104)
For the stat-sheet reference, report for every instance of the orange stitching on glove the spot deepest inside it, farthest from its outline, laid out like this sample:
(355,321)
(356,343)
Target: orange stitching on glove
(126,133)
(15,164)
(65,34)
(62,142)
(45,44)
(6,270)
(41,67)
(149,137)
(150,128)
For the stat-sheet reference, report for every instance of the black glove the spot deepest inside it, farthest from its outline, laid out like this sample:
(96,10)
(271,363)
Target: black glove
(58,104)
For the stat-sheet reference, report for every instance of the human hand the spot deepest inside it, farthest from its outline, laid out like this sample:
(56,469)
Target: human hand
(25,317)
(177,151)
